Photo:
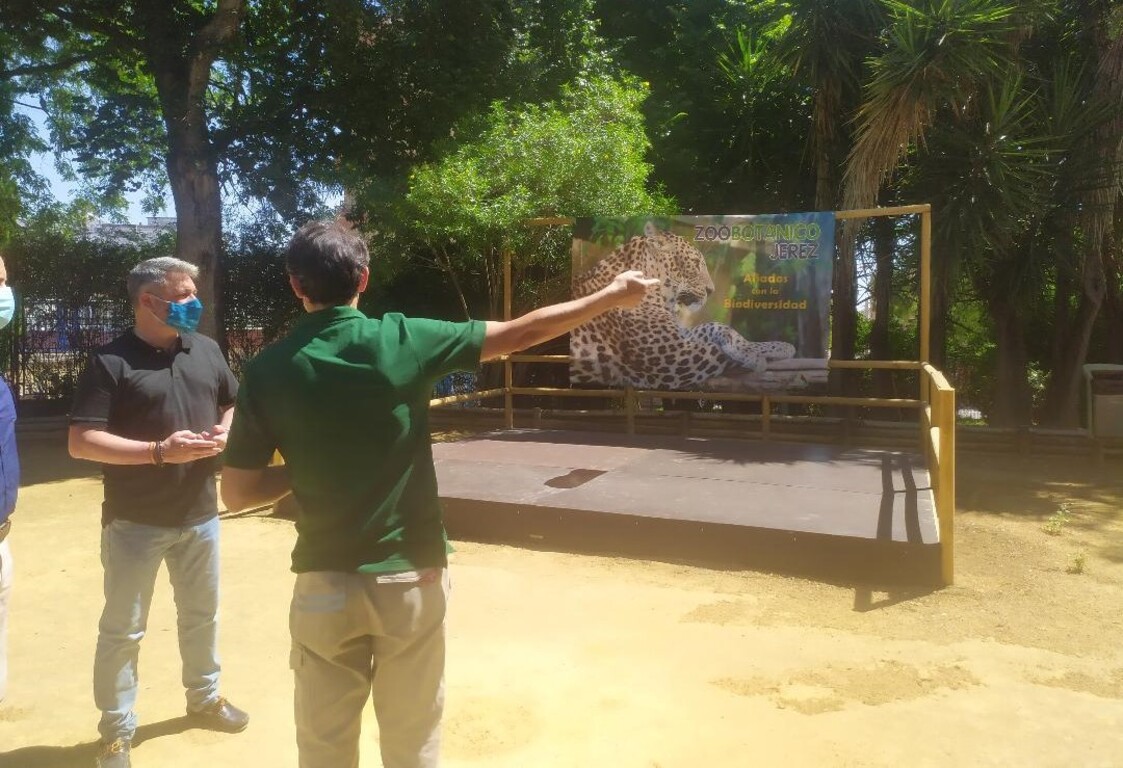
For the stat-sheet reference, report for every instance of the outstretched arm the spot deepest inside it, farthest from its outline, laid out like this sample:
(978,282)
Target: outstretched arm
(505,337)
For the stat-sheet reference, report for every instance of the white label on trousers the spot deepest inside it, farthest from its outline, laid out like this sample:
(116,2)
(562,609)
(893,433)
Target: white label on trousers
(425,576)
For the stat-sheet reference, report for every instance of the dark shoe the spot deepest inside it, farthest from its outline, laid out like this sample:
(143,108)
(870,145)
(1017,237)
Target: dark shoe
(115,754)
(220,716)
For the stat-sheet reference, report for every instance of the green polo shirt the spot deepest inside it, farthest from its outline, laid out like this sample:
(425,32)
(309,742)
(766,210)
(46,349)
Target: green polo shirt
(345,399)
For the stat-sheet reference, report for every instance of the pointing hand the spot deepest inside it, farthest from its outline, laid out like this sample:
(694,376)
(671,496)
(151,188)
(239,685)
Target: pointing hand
(629,288)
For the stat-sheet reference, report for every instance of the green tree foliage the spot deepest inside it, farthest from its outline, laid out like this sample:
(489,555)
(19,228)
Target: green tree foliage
(20,187)
(272,99)
(324,88)
(727,122)
(449,122)
(125,87)
(580,155)
(53,258)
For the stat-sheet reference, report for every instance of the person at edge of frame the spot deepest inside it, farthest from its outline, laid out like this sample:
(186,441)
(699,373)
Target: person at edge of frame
(9,483)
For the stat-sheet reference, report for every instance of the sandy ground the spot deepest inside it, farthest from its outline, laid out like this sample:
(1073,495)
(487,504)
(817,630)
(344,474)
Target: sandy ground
(566,660)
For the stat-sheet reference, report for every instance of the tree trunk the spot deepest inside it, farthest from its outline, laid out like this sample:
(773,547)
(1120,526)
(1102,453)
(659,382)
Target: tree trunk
(844,284)
(446,265)
(180,58)
(1013,400)
(1098,223)
(1113,299)
(193,172)
(883,240)
(1062,305)
(1062,402)
(942,281)
(493,263)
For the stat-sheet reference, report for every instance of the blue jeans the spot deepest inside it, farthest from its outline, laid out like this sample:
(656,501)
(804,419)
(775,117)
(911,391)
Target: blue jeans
(131,554)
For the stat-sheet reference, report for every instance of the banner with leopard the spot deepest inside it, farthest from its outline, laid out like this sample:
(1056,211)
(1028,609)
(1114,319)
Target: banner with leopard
(743,304)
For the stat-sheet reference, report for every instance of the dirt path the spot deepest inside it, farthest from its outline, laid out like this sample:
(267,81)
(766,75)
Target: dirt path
(564,660)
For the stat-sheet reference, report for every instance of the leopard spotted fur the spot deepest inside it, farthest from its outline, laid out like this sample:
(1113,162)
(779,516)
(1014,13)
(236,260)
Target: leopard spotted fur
(648,346)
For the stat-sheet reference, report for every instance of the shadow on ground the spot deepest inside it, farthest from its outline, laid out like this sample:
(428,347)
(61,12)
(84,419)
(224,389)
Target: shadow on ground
(85,754)
(1033,486)
(865,598)
(44,459)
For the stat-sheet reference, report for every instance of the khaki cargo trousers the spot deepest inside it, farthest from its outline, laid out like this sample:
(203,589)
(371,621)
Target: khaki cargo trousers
(355,635)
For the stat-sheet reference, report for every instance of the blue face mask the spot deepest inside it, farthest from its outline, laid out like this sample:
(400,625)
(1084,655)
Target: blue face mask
(184,316)
(7,305)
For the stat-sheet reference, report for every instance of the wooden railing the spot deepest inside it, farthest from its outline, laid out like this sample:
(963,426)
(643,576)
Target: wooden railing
(937,421)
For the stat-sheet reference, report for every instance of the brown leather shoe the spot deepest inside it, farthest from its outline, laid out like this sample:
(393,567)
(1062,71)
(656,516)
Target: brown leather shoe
(114,754)
(221,715)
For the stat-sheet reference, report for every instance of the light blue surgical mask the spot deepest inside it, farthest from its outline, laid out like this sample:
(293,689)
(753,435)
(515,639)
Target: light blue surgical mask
(7,305)
(184,315)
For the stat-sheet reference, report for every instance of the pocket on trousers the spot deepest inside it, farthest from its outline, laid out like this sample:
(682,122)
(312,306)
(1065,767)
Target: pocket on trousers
(320,602)
(318,616)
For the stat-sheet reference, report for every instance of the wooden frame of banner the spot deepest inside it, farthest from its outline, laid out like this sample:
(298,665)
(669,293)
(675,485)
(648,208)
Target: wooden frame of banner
(936,400)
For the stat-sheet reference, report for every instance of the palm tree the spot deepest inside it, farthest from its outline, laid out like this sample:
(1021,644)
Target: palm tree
(935,55)
(825,48)
(1098,153)
(966,77)
(989,174)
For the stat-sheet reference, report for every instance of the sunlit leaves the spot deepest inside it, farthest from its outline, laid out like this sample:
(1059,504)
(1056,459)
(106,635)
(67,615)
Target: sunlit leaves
(581,155)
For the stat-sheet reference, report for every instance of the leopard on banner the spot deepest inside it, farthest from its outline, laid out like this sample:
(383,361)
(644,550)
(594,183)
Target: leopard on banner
(743,302)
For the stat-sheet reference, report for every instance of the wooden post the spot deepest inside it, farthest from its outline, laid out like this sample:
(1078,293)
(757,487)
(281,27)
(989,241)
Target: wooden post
(508,371)
(925,285)
(925,422)
(946,502)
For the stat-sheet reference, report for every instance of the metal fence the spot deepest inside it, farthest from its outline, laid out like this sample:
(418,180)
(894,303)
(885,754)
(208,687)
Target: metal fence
(48,343)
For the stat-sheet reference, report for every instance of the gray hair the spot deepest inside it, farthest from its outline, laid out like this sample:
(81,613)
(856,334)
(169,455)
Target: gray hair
(155,272)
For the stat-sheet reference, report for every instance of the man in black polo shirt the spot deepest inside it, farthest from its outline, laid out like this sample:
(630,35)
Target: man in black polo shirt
(345,399)
(154,407)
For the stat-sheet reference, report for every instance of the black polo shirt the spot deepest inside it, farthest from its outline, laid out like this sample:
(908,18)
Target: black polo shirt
(145,393)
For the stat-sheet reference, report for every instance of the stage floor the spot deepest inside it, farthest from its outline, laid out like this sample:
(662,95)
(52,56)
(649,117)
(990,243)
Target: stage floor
(833,511)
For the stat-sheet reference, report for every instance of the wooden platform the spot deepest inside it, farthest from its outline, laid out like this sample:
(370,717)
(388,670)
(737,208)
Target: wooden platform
(840,514)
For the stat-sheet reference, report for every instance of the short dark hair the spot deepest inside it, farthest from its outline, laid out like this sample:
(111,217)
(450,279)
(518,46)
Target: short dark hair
(327,259)
(155,272)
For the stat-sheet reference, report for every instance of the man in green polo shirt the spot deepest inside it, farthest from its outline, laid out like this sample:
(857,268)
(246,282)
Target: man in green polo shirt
(345,399)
